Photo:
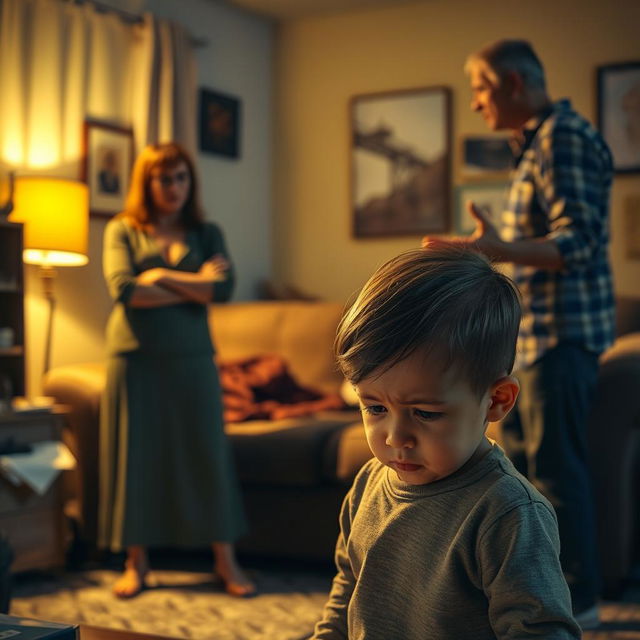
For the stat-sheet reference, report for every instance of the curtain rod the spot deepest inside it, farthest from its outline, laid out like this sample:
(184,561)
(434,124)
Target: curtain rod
(133,18)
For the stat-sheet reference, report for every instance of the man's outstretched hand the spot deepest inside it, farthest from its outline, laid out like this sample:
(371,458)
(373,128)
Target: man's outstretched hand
(484,239)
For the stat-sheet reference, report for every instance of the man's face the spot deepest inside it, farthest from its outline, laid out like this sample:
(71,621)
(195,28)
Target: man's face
(420,420)
(494,102)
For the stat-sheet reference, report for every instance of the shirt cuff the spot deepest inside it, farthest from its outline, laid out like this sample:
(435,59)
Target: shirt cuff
(575,252)
(125,291)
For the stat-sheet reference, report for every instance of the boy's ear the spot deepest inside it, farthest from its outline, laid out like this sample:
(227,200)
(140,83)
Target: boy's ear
(504,393)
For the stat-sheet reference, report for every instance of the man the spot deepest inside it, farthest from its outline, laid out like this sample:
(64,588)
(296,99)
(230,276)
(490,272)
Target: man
(554,233)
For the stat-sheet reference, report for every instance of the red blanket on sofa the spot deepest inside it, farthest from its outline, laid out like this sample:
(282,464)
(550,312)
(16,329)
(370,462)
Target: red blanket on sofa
(262,388)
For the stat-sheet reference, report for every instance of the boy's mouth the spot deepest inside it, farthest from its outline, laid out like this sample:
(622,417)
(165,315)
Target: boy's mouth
(404,466)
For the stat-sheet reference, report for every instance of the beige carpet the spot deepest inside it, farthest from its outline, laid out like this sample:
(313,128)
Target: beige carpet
(185,604)
(190,605)
(619,621)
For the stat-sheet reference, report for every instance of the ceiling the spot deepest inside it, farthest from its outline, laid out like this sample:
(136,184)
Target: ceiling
(290,9)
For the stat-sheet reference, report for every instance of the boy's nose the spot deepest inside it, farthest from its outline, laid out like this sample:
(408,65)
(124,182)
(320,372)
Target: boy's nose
(399,436)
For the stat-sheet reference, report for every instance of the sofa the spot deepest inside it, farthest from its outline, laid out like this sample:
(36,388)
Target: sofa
(295,472)
(614,445)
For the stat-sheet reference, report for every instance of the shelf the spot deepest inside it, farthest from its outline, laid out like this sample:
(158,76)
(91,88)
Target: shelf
(18,350)
(12,303)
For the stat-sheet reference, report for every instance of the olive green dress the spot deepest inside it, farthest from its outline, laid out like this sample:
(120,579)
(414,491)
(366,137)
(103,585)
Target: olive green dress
(167,476)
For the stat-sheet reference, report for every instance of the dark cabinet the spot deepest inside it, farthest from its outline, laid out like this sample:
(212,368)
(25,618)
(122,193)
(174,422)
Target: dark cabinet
(12,349)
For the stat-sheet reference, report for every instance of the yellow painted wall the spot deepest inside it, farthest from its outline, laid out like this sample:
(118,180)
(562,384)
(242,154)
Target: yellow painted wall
(322,61)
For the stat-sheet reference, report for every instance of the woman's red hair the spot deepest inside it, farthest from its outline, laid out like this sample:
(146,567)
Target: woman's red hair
(139,204)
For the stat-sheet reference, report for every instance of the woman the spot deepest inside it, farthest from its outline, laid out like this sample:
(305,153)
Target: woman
(167,475)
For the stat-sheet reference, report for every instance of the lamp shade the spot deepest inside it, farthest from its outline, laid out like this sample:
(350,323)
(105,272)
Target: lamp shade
(55,213)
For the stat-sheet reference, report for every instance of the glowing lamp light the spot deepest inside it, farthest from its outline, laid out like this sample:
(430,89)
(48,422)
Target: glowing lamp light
(55,217)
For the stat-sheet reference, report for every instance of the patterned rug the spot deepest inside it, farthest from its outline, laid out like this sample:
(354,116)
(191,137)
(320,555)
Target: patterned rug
(184,605)
(188,604)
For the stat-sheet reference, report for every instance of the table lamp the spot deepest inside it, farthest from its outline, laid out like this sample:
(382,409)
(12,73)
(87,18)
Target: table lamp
(54,212)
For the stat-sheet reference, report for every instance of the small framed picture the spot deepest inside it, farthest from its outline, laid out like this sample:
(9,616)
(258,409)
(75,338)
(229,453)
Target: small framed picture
(108,158)
(219,123)
(632,226)
(400,162)
(619,113)
(485,157)
(491,198)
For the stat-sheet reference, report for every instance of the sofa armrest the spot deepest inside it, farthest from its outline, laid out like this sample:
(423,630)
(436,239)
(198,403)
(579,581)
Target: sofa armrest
(80,387)
(614,446)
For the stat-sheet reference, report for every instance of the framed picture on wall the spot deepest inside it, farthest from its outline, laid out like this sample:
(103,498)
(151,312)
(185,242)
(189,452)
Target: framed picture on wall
(106,167)
(219,123)
(619,113)
(485,157)
(400,162)
(489,197)
(632,226)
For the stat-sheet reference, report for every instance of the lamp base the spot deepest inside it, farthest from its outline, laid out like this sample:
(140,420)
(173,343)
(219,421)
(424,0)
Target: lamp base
(47,276)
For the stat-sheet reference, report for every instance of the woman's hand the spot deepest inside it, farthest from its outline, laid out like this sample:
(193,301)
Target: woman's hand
(151,277)
(215,268)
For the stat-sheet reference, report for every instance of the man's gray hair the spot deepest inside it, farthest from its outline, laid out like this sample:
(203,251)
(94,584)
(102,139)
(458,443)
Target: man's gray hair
(503,56)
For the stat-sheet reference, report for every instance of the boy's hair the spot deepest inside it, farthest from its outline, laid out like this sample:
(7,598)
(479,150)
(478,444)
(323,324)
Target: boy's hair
(503,56)
(448,300)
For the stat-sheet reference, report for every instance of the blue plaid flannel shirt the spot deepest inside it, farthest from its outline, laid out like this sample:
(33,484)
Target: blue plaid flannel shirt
(560,190)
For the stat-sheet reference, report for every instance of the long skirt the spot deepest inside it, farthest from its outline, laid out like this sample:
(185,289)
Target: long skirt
(167,475)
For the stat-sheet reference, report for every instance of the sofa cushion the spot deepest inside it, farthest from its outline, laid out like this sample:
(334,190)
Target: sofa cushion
(302,333)
(288,452)
(347,452)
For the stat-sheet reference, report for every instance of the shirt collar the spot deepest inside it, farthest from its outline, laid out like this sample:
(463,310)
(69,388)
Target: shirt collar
(521,138)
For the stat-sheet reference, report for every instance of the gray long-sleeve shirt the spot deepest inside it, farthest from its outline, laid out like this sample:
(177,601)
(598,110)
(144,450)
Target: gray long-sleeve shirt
(472,556)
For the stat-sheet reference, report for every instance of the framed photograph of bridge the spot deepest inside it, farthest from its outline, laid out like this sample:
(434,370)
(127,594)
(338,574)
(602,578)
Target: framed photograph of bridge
(400,162)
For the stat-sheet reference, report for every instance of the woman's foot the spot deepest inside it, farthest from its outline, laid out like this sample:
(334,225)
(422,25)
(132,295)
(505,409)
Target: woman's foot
(236,582)
(134,578)
(130,583)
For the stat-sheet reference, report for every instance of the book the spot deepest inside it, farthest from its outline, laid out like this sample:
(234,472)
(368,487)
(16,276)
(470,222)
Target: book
(28,629)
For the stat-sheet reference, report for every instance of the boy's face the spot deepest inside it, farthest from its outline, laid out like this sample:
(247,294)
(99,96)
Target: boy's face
(421,421)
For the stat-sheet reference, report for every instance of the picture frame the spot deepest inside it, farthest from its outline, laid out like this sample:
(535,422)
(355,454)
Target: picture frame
(618,96)
(400,162)
(106,167)
(485,158)
(491,197)
(219,120)
(632,226)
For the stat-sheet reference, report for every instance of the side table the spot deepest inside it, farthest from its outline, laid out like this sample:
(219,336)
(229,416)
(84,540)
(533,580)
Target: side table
(33,523)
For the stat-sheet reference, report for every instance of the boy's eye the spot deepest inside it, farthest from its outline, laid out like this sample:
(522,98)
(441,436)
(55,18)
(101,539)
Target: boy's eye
(374,409)
(428,415)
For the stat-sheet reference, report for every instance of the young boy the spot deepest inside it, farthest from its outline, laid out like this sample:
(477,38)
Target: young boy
(441,538)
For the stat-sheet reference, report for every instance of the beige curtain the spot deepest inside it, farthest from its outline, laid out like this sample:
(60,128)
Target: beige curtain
(61,63)
(163,89)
